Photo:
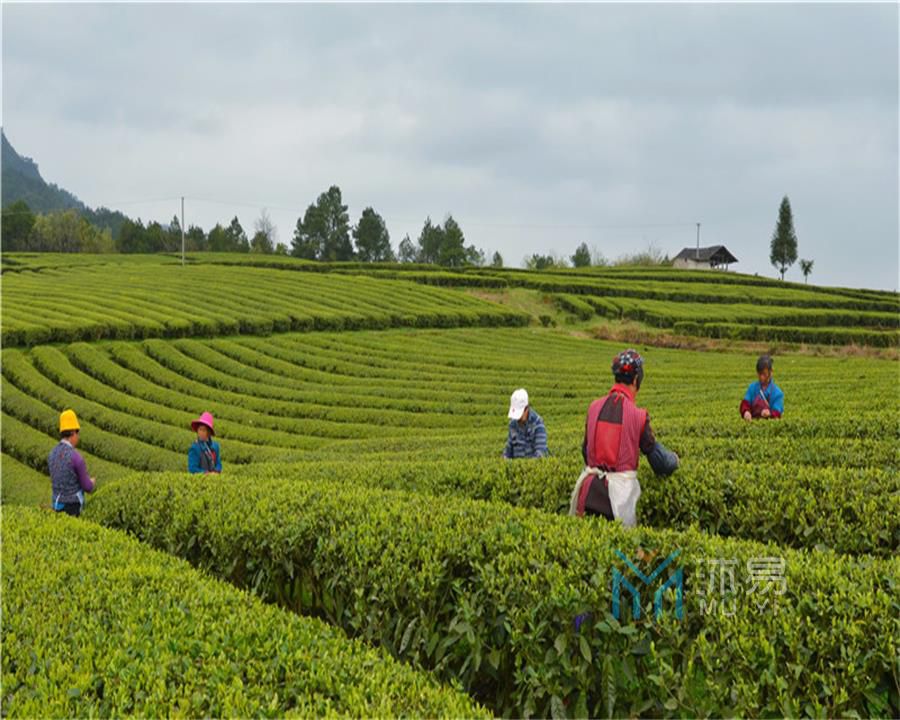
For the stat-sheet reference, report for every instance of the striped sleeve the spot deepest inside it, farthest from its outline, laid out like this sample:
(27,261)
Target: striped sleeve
(540,440)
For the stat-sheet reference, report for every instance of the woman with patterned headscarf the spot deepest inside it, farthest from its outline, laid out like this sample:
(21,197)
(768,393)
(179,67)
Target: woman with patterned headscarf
(615,434)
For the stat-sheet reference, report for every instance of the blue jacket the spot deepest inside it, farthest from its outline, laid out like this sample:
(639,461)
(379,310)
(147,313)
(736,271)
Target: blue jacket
(528,441)
(204,457)
(773,395)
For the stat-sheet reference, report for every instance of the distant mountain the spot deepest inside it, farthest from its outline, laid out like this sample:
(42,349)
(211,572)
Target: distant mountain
(22,181)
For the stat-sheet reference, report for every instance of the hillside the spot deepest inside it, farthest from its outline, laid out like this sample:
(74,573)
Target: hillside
(22,180)
(361,414)
(470,362)
(254,294)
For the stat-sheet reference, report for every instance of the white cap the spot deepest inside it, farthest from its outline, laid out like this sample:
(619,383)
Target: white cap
(517,404)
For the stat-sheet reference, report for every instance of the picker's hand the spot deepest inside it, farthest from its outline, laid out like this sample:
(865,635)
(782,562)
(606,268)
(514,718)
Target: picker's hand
(747,416)
(765,413)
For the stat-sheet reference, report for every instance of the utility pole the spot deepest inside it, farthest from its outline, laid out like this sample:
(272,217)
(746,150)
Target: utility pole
(182,231)
(698,241)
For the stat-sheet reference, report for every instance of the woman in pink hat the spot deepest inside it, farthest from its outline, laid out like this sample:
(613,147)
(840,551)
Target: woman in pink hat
(204,455)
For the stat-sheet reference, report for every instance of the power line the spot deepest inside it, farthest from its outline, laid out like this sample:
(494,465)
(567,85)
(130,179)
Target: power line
(474,223)
(392,218)
(140,202)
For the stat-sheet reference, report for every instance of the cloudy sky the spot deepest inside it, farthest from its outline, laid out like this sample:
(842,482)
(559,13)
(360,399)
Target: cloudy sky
(538,126)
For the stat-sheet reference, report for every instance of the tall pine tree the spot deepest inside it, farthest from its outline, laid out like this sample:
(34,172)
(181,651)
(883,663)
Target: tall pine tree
(783,250)
(407,252)
(373,242)
(453,246)
(309,235)
(323,233)
(430,241)
(236,239)
(337,226)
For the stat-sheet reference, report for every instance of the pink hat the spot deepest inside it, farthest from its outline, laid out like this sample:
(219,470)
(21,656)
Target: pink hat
(205,419)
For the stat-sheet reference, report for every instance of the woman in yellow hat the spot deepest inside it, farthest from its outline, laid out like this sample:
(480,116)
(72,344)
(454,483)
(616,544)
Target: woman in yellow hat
(68,473)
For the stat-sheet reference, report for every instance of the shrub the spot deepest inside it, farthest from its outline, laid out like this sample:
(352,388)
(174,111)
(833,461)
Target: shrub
(575,305)
(794,506)
(488,594)
(97,624)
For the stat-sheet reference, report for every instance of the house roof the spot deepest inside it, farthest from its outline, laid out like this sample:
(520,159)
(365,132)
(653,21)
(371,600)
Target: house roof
(714,254)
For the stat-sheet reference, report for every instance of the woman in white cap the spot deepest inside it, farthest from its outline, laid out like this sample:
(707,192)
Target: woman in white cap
(527,434)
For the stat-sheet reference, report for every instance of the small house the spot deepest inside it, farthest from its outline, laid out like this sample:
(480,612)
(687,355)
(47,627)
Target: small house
(716,257)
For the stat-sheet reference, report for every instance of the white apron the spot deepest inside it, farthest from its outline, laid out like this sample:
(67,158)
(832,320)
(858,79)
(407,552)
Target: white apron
(624,491)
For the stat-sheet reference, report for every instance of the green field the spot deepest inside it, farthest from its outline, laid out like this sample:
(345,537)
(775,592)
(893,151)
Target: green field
(362,414)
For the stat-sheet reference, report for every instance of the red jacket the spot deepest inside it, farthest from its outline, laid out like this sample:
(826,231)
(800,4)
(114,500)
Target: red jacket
(615,431)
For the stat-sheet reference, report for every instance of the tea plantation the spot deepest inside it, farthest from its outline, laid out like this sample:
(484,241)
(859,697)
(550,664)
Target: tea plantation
(368,552)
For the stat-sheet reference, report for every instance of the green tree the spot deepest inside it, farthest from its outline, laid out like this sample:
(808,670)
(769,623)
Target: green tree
(582,256)
(173,235)
(497,260)
(155,238)
(236,238)
(373,242)
(407,252)
(103,217)
(431,238)
(543,262)
(260,244)
(446,245)
(281,249)
(95,240)
(16,224)
(806,267)
(337,244)
(217,240)
(474,256)
(195,239)
(324,231)
(783,250)
(58,232)
(131,236)
(309,235)
(452,251)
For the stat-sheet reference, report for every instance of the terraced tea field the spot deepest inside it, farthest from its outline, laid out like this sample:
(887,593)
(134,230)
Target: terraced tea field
(361,415)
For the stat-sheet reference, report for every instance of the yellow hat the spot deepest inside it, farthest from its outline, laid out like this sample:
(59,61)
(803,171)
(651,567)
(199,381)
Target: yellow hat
(68,421)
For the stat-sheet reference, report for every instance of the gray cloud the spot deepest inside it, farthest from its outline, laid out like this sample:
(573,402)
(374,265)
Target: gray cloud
(538,126)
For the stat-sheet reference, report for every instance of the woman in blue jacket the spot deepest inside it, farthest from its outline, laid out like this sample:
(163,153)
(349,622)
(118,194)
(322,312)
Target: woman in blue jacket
(204,455)
(764,399)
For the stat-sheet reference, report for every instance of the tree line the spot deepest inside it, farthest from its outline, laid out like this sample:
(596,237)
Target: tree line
(324,232)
